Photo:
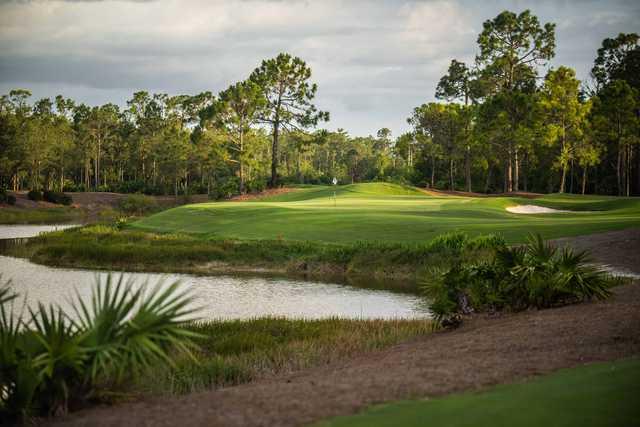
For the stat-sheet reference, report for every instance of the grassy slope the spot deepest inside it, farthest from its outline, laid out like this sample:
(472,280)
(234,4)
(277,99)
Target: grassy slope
(387,212)
(596,395)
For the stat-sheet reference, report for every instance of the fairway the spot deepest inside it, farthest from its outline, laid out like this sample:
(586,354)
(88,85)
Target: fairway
(597,395)
(393,213)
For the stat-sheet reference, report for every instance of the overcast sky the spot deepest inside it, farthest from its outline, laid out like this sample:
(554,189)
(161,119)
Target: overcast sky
(373,60)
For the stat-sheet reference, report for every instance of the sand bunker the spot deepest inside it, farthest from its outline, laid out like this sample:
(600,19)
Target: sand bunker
(532,209)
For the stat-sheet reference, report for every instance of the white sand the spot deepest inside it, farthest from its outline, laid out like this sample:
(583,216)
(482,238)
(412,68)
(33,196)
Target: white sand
(532,209)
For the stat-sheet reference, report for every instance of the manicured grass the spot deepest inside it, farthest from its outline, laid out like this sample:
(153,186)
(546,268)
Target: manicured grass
(11,215)
(597,395)
(391,213)
(234,352)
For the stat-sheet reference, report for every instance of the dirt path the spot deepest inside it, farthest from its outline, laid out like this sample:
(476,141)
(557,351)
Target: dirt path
(483,352)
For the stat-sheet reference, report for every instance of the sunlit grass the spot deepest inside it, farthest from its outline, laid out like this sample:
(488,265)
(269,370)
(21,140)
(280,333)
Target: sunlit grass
(387,212)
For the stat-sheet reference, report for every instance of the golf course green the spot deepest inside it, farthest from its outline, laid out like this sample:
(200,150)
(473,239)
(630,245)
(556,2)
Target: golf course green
(390,213)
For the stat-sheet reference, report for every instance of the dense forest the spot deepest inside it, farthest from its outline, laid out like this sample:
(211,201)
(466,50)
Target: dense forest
(500,125)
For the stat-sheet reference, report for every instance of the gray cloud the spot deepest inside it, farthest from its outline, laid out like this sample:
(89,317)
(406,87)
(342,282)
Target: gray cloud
(373,60)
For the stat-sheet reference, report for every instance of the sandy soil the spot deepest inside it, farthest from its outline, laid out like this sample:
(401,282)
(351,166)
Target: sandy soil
(532,209)
(485,351)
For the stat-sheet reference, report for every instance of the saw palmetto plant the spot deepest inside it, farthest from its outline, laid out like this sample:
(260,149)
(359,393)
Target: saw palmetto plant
(51,360)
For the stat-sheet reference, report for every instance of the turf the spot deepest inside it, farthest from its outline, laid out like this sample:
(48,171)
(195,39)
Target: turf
(596,395)
(388,212)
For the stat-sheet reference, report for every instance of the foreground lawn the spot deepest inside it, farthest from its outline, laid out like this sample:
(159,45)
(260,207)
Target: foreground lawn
(388,212)
(597,395)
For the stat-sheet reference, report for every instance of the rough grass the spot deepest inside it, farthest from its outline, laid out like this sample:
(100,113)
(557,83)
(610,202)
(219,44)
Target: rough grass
(597,395)
(234,352)
(391,213)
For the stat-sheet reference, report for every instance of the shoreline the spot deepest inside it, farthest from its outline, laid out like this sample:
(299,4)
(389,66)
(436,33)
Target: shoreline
(613,250)
(515,347)
(372,265)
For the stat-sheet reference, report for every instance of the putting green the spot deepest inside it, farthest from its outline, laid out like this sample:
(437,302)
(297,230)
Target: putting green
(388,212)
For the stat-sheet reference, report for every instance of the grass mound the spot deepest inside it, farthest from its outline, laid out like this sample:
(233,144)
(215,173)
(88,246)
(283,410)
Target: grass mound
(390,213)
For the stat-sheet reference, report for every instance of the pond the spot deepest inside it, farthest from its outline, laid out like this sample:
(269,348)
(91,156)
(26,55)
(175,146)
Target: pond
(217,297)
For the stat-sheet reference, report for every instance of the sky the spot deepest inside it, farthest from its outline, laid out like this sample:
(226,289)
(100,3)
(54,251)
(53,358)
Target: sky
(373,61)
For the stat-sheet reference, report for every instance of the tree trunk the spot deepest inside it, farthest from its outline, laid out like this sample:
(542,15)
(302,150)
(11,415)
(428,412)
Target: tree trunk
(451,186)
(274,154)
(564,176)
(240,163)
(584,179)
(433,171)
(525,172)
(571,178)
(516,172)
(488,181)
(467,168)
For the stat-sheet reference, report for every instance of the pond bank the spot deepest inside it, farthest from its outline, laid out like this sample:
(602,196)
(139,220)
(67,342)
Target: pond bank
(376,265)
(513,347)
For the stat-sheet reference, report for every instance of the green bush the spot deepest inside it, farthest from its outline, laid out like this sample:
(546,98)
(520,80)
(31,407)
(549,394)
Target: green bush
(57,197)
(49,362)
(35,195)
(137,204)
(536,275)
(7,198)
(225,189)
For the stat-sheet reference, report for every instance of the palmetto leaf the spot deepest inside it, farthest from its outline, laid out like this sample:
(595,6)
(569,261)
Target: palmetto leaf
(128,330)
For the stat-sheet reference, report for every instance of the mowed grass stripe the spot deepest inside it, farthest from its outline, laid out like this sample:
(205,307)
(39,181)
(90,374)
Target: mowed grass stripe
(388,212)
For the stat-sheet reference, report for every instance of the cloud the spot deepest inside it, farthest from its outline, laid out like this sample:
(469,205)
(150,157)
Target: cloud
(373,60)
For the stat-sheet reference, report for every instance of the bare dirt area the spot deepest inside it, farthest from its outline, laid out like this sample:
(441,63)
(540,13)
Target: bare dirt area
(619,250)
(266,193)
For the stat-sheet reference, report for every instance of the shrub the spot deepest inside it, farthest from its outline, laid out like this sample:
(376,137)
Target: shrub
(49,362)
(137,204)
(7,198)
(225,189)
(57,197)
(35,195)
(256,186)
(535,275)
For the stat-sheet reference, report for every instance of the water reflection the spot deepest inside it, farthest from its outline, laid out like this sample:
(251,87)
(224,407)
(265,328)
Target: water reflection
(221,297)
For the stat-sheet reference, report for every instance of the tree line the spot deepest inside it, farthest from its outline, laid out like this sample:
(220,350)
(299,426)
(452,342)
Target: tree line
(498,126)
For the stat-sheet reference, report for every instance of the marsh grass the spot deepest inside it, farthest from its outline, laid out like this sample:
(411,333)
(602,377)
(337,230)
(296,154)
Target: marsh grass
(11,215)
(104,246)
(234,352)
